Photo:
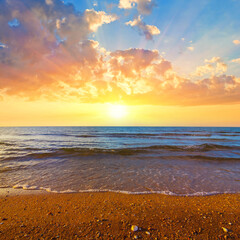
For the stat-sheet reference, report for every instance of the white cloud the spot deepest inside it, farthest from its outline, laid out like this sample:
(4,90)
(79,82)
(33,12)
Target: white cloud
(126,4)
(96,19)
(143,6)
(147,30)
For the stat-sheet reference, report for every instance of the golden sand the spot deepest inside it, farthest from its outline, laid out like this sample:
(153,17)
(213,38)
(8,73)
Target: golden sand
(112,216)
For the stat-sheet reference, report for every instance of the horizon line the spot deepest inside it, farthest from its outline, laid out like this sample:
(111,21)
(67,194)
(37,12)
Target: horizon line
(122,126)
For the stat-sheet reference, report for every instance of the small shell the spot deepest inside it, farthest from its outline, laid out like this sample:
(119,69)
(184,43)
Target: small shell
(225,229)
(134,228)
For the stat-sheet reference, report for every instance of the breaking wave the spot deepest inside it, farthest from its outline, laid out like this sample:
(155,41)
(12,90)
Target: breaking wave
(166,192)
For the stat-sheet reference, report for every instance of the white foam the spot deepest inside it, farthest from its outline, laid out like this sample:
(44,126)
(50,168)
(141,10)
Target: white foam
(68,191)
(25,187)
(30,188)
(47,189)
(154,192)
(17,186)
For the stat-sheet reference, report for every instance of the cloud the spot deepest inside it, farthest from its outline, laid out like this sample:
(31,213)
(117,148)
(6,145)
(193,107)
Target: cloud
(221,67)
(190,48)
(42,25)
(205,69)
(49,2)
(96,19)
(213,66)
(49,56)
(134,76)
(147,30)
(236,42)
(127,4)
(237,60)
(143,6)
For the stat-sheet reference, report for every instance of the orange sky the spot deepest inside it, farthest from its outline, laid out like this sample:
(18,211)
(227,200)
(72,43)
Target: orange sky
(40,113)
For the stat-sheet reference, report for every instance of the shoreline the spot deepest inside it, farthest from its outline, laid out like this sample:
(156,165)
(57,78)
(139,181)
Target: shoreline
(110,216)
(8,191)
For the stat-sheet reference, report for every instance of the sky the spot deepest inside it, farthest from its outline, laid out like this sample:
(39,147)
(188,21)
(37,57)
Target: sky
(119,62)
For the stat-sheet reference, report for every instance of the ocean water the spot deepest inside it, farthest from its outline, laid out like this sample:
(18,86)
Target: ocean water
(168,160)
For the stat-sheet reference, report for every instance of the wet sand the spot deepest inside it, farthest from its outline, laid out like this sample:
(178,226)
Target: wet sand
(111,215)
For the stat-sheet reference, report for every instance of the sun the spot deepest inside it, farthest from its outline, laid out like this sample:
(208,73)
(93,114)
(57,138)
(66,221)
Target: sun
(117,111)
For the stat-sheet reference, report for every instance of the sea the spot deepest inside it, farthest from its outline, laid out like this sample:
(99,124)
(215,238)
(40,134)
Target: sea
(133,160)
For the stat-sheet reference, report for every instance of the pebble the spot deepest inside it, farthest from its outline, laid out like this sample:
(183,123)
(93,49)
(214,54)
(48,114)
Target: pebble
(225,229)
(134,228)
(98,234)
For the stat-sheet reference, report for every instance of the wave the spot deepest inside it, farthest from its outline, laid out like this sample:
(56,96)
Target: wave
(211,158)
(200,147)
(164,192)
(227,132)
(6,144)
(194,152)
(160,150)
(5,169)
(187,134)
(144,135)
(120,135)
(87,136)
(230,135)
(138,135)
(46,134)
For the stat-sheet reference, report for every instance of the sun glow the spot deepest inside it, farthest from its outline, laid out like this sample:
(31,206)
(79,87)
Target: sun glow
(117,111)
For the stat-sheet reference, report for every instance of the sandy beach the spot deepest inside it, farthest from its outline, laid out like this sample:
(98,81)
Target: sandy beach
(111,216)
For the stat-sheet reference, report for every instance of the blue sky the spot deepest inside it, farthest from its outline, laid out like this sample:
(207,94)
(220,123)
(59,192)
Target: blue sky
(209,26)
